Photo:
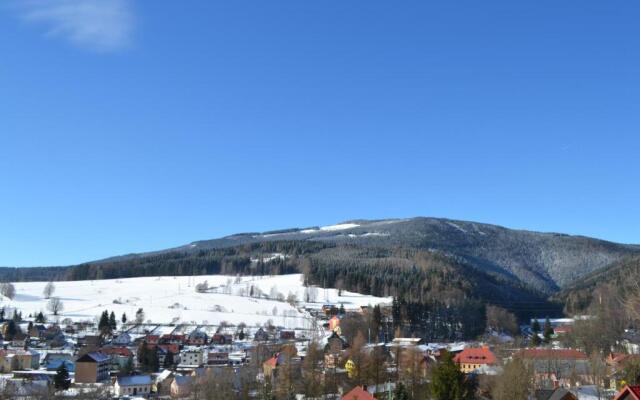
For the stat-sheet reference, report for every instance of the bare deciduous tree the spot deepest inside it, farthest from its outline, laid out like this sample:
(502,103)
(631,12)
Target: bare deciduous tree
(8,290)
(55,305)
(516,382)
(48,290)
(501,320)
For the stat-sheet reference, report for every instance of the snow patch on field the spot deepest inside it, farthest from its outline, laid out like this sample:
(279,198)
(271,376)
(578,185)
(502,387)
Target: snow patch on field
(169,299)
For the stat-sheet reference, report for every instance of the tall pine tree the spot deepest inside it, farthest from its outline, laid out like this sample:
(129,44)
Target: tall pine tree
(112,322)
(61,380)
(449,383)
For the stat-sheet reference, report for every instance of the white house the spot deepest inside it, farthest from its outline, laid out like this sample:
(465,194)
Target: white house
(138,385)
(192,356)
(124,339)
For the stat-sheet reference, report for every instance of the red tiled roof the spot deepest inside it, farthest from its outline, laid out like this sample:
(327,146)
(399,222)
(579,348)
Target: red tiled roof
(558,354)
(171,348)
(123,351)
(634,391)
(475,355)
(358,393)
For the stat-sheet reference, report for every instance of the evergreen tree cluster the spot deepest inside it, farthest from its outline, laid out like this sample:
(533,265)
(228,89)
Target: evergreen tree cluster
(147,358)
(107,324)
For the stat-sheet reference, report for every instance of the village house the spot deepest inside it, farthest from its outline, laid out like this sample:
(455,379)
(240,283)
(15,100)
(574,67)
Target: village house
(173,338)
(53,365)
(329,310)
(217,357)
(287,353)
(55,356)
(37,331)
(123,339)
(91,342)
(92,367)
(220,338)
(237,358)
(18,359)
(192,356)
(261,336)
(287,335)
(133,385)
(472,358)
(162,383)
(197,338)
(119,356)
(334,350)
(554,368)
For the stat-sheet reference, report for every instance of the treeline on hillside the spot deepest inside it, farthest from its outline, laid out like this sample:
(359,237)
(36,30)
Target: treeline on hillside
(232,260)
(437,296)
(32,274)
(623,275)
(431,297)
(225,261)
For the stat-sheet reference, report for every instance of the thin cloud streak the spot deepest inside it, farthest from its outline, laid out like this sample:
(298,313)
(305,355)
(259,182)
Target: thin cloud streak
(99,25)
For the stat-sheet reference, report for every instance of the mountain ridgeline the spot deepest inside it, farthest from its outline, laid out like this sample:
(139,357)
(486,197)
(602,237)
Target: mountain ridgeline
(443,266)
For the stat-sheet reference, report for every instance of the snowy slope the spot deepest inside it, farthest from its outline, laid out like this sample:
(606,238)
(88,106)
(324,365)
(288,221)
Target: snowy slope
(174,299)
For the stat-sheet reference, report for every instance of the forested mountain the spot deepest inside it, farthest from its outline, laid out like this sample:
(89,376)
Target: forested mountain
(441,271)
(544,262)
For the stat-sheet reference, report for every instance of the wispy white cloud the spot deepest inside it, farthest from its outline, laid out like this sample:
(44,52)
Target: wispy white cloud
(100,25)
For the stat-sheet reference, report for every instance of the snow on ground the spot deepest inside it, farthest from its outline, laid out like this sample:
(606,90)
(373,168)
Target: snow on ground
(331,228)
(273,256)
(458,227)
(338,227)
(170,299)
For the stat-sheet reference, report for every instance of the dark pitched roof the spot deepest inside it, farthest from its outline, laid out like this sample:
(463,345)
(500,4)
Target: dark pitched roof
(93,357)
(554,394)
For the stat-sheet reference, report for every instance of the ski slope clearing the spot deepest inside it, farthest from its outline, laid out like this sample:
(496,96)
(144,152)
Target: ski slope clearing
(253,299)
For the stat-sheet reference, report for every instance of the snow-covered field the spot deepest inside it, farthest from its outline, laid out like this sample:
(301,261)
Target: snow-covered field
(170,299)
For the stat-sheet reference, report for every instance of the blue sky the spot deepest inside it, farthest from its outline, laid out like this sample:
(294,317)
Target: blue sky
(132,126)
